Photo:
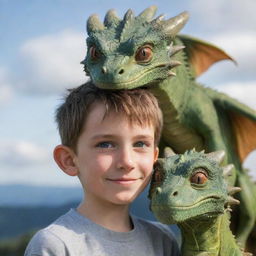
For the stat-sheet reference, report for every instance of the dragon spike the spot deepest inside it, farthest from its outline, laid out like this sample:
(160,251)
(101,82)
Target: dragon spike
(227,170)
(217,156)
(233,190)
(111,18)
(148,13)
(174,49)
(174,63)
(94,24)
(231,200)
(157,20)
(128,16)
(170,73)
(168,152)
(172,26)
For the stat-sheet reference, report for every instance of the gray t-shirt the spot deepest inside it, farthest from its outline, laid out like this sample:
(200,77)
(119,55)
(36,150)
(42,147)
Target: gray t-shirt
(72,235)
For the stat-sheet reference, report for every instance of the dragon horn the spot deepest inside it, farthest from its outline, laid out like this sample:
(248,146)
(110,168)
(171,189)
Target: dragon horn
(172,26)
(94,24)
(233,190)
(111,18)
(148,13)
(168,152)
(217,156)
(227,170)
(128,16)
(174,49)
(231,201)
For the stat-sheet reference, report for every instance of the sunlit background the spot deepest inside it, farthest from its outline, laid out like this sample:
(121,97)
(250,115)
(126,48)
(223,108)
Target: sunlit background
(42,44)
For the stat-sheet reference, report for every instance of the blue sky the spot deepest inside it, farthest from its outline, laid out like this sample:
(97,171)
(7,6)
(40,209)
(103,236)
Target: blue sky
(42,44)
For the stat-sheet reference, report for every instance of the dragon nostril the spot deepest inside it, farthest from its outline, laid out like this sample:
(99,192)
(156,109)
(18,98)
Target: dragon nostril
(121,71)
(175,193)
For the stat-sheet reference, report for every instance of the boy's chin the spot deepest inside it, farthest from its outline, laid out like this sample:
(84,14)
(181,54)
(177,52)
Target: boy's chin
(124,199)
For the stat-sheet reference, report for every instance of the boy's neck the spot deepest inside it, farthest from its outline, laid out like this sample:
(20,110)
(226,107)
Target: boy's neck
(113,217)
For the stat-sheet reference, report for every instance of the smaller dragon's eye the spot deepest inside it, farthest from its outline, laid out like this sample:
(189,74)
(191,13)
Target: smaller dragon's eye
(144,54)
(158,175)
(94,53)
(200,177)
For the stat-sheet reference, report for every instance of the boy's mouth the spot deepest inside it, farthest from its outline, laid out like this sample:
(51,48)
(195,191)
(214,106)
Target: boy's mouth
(124,181)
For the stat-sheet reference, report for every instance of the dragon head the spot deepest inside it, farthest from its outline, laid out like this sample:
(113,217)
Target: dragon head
(190,186)
(122,52)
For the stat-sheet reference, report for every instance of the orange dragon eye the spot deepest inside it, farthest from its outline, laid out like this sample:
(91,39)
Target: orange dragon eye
(200,177)
(144,54)
(94,53)
(158,175)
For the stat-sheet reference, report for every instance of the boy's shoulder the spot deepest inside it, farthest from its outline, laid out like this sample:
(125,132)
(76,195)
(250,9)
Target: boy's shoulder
(73,234)
(155,228)
(65,228)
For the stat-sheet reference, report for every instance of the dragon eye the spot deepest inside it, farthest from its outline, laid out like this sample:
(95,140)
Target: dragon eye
(94,53)
(144,54)
(158,175)
(200,177)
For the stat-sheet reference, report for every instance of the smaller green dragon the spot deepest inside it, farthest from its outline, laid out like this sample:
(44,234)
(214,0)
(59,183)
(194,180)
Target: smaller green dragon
(192,190)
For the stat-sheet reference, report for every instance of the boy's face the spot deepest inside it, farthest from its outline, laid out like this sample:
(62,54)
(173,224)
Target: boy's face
(114,158)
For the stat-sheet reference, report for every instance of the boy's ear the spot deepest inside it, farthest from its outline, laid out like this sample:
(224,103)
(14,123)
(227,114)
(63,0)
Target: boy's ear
(156,153)
(64,157)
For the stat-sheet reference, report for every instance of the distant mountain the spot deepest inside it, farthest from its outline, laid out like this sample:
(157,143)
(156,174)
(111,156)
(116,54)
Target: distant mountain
(23,195)
(15,221)
(27,208)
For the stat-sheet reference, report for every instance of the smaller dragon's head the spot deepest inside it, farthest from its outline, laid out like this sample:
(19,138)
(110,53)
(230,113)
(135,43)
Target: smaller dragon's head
(131,52)
(190,186)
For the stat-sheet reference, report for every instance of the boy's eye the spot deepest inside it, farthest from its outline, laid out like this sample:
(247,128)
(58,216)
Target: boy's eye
(105,144)
(140,144)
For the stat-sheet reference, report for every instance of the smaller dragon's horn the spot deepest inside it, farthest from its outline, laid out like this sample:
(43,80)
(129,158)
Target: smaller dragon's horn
(217,156)
(94,24)
(172,26)
(111,18)
(168,152)
(148,13)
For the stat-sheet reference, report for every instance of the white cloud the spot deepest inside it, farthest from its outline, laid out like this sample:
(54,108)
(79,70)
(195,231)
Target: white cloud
(25,162)
(6,91)
(250,163)
(228,15)
(22,153)
(51,63)
(245,92)
(241,46)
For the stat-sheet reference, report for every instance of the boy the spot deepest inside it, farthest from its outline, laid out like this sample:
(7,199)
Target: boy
(109,140)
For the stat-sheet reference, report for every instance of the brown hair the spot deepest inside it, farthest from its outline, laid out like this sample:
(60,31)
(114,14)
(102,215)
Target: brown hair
(138,105)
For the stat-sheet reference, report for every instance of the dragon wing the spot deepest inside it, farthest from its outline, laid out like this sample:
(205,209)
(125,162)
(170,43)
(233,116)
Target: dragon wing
(201,54)
(243,120)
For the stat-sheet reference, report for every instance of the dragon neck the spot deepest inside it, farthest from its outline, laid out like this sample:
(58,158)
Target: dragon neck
(170,90)
(212,236)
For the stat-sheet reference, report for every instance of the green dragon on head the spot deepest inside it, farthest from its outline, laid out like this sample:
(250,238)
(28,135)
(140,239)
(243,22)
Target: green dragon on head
(191,190)
(143,51)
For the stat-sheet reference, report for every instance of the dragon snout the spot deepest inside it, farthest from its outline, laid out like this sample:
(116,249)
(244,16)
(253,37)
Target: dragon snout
(104,71)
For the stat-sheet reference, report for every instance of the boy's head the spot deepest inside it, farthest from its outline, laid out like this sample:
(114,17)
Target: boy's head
(139,106)
(109,140)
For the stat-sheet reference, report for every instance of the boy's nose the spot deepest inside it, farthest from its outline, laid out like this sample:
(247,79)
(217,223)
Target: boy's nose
(125,160)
